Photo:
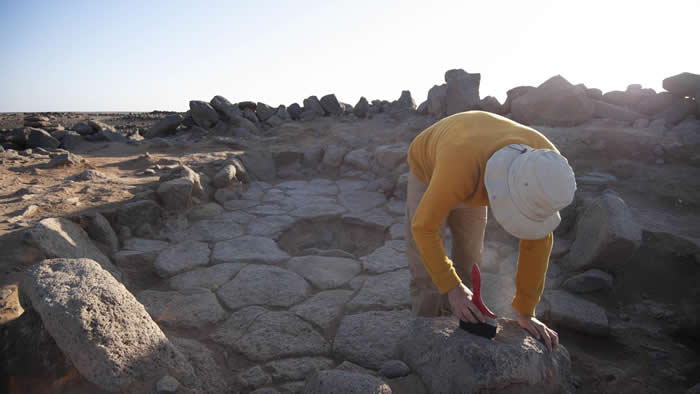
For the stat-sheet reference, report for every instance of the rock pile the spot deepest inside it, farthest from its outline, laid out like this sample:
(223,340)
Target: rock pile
(42,122)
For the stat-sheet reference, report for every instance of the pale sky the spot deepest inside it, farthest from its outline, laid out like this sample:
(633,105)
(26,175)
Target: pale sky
(146,55)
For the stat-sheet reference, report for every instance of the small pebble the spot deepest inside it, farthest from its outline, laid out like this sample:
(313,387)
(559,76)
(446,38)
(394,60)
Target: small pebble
(167,384)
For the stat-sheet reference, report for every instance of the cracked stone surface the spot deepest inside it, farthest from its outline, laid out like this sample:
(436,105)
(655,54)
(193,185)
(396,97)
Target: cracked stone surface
(248,249)
(324,308)
(264,285)
(181,257)
(384,292)
(383,260)
(207,277)
(325,272)
(192,308)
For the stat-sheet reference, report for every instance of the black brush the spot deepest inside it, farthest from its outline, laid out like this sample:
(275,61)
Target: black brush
(488,328)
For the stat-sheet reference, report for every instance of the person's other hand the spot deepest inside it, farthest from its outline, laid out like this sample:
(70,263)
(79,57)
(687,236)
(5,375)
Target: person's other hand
(460,299)
(539,330)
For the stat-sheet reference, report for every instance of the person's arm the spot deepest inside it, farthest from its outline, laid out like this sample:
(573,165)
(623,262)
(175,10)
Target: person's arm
(442,194)
(532,269)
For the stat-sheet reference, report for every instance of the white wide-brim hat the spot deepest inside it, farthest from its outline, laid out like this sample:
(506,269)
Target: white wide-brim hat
(527,188)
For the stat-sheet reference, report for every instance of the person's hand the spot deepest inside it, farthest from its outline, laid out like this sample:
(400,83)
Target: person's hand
(460,299)
(539,330)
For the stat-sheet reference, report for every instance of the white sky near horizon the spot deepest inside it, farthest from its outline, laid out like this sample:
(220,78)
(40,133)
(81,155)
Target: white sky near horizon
(158,55)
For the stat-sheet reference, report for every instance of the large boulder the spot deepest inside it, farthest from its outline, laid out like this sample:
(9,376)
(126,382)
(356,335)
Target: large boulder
(59,237)
(176,195)
(37,138)
(164,126)
(437,100)
(491,104)
(264,111)
(389,157)
(406,101)
(683,85)
(224,107)
(294,110)
(554,103)
(203,113)
(574,312)
(183,171)
(450,360)
(678,111)
(611,111)
(462,91)
(345,382)
(99,325)
(513,94)
(259,165)
(606,235)
(313,105)
(361,108)
(331,105)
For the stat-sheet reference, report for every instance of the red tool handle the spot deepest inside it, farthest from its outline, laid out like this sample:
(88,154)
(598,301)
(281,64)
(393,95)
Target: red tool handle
(476,298)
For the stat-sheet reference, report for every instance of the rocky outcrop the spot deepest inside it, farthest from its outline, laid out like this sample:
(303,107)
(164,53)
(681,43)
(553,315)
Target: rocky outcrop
(103,330)
(331,105)
(361,108)
(437,100)
(683,85)
(554,103)
(203,113)
(606,235)
(165,126)
(462,91)
(450,360)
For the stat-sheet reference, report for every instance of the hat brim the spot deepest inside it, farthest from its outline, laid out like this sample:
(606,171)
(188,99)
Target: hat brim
(502,206)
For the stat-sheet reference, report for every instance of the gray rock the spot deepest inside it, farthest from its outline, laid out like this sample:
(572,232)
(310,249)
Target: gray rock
(575,313)
(383,292)
(206,367)
(99,229)
(225,176)
(358,158)
(259,165)
(397,231)
(59,237)
(294,111)
(264,285)
(183,171)
(176,195)
(371,338)
(203,113)
(554,103)
(610,111)
(167,384)
(191,308)
(83,128)
(695,389)
(360,200)
(331,105)
(450,360)
(343,382)
(437,100)
(389,157)
(270,226)
(606,235)
(249,249)
(181,257)
(225,108)
(679,110)
(333,155)
(208,277)
(318,211)
(264,111)
(38,138)
(205,211)
(325,272)
(296,368)
(144,245)
(361,108)
(71,140)
(89,175)
(101,327)
(313,105)
(589,281)
(323,309)
(491,104)
(394,369)
(406,101)
(218,229)
(65,159)
(100,126)
(384,259)
(462,91)
(683,85)
(375,219)
(165,126)
(262,335)
(253,378)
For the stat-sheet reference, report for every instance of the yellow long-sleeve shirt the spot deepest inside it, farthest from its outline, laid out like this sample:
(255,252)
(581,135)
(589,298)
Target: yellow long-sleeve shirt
(450,157)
